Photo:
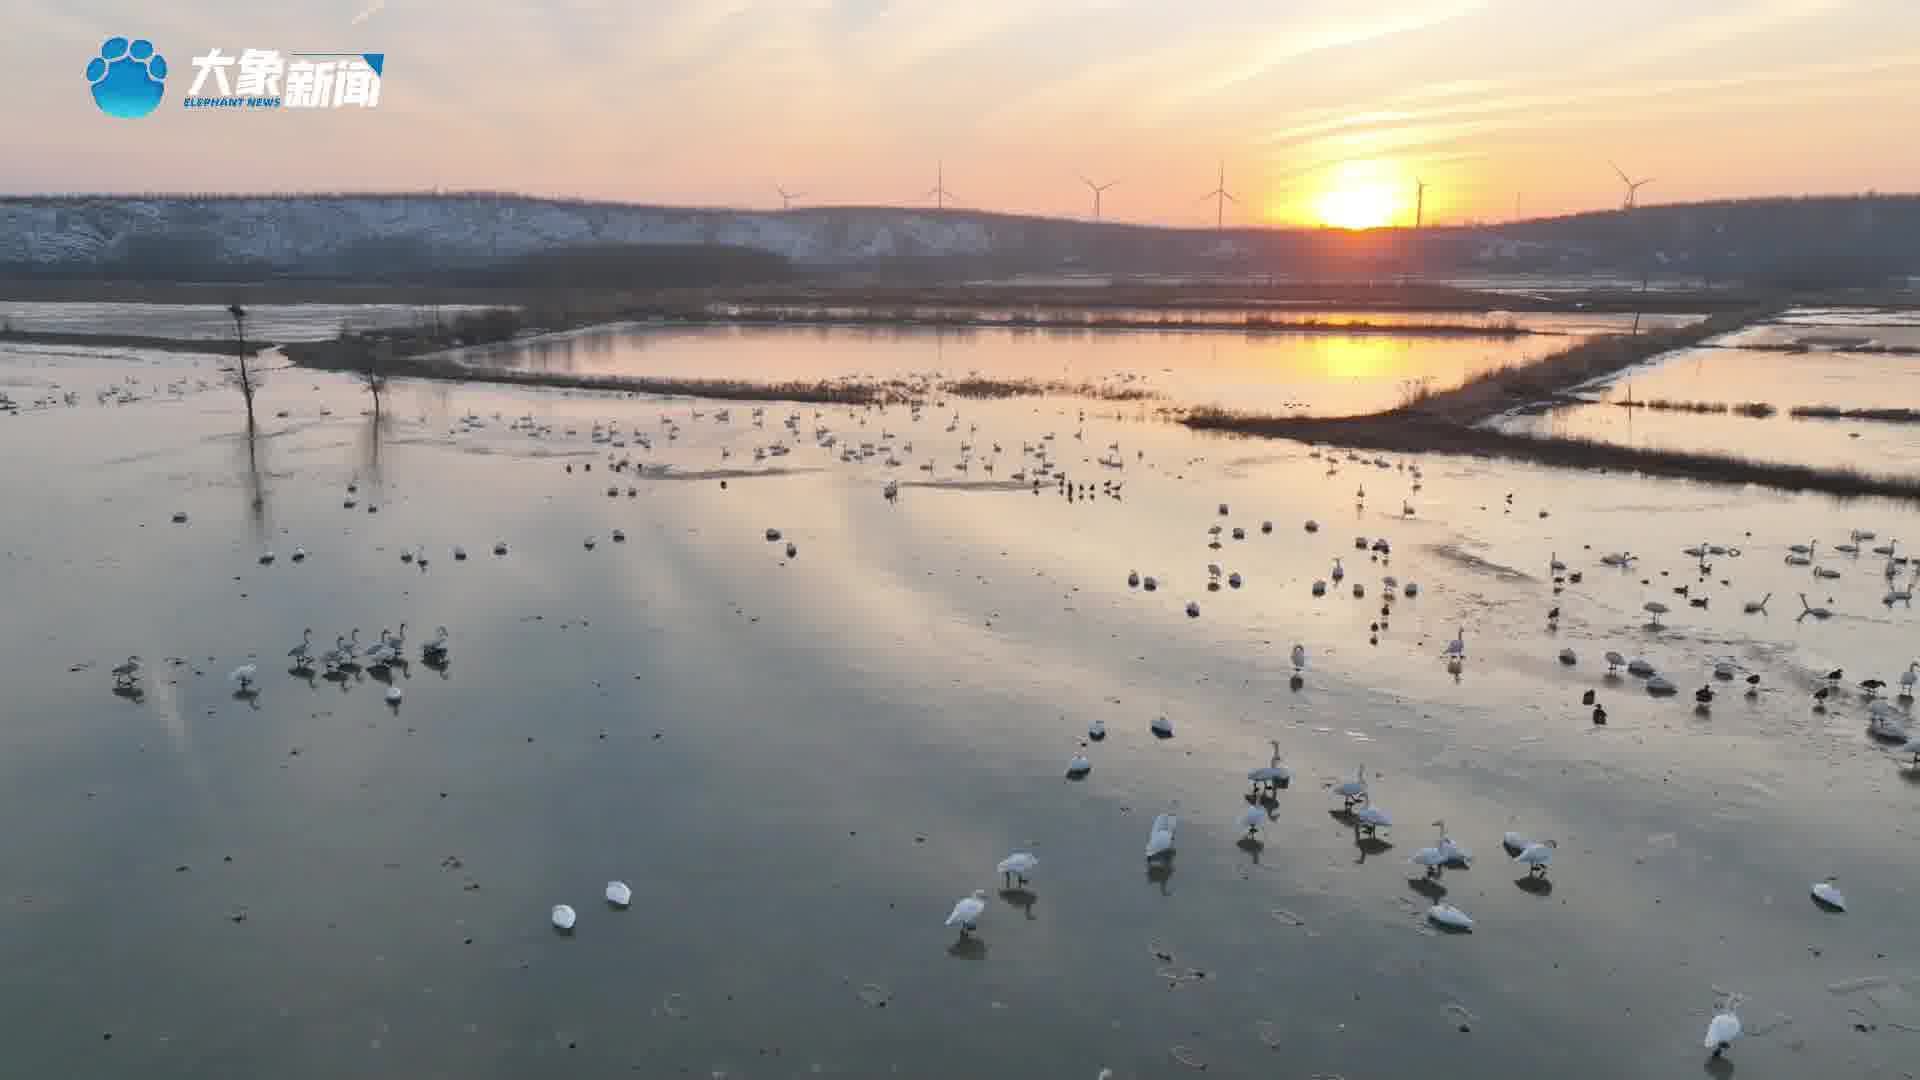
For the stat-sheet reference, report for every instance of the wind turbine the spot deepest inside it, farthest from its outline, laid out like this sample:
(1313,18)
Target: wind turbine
(939,192)
(1221,197)
(1419,202)
(1097,189)
(787,197)
(1633,187)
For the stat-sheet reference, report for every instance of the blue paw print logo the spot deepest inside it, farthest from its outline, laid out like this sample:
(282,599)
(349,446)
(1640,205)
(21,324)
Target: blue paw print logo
(128,77)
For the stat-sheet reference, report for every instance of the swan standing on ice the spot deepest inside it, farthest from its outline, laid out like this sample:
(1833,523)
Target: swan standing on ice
(1536,857)
(1614,661)
(1251,819)
(1656,609)
(1272,774)
(1354,791)
(1370,819)
(1437,857)
(1097,730)
(1907,680)
(1299,657)
(435,651)
(243,676)
(127,674)
(966,914)
(394,695)
(1016,867)
(1338,570)
(1457,648)
(618,894)
(300,653)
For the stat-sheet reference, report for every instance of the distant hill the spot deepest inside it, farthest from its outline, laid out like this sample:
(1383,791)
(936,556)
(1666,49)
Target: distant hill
(504,238)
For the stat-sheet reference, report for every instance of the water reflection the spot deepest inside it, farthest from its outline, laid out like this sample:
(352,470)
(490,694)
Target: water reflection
(1321,372)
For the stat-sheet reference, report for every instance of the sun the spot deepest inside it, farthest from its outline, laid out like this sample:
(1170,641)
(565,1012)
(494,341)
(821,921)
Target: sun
(1360,195)
(1362,206)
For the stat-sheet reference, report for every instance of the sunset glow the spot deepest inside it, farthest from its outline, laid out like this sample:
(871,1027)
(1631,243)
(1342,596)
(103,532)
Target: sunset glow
(1362,195)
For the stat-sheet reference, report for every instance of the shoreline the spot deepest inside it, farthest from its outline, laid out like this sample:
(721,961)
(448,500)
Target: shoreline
(210,346)
(1451,422)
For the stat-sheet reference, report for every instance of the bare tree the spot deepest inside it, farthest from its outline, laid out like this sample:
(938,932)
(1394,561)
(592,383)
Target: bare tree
(242,374)
(376,360)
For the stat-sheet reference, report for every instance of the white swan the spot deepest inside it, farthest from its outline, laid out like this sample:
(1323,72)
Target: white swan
(435,651)
(1097,730)
(966,914)
(1437,857)
(1639,667)
(1722,1030)
(299,653)
(243,675)
(1354,790)
(1160,836)
(1614,661)
(1371,818)
(394,695)
(266,558)
(1450,917)
(1338,570)
(1824,892)
(1193,609)
(1017,866)
(1567,657)
(1457,648)
(563,917)
(1162,727)
(1537,857)
(1320,588)
(1234,580)
(1272,774)
(618,894)
(1078,765)
(1656,609)
(1133,579)
(1251,819)
(1412,589)
(1908,678)
(1299,657)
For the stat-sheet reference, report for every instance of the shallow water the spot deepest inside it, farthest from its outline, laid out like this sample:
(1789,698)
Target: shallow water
(1780,378)
(1318,373)
(799,764)
(266,322)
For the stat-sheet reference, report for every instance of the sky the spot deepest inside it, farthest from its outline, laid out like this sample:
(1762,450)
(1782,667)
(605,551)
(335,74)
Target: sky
(1319,111)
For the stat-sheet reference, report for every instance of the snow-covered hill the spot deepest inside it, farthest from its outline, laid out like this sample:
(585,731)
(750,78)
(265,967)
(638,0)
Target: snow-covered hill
(285,233)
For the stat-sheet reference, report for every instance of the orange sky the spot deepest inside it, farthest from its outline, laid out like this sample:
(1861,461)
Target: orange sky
(1321,111)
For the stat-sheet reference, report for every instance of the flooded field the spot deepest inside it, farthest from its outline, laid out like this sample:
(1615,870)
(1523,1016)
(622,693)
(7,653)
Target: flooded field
(1318,373)
(800,758)
(1783,379)
(265,322)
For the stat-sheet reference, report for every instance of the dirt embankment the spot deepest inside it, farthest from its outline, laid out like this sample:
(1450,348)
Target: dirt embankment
(131,341)
(1447,422)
